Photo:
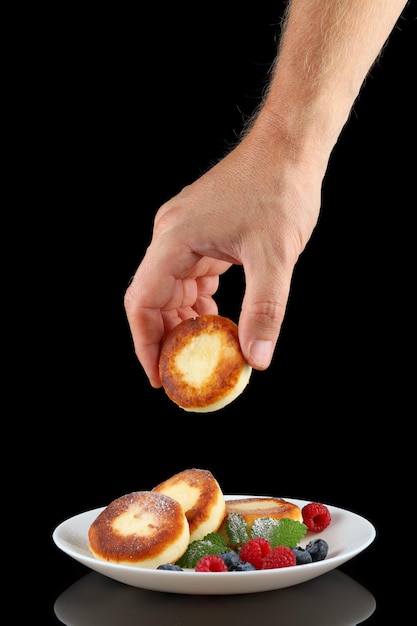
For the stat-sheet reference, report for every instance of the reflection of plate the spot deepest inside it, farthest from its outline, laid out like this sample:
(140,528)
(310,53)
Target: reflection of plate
(347,535)
(334,599)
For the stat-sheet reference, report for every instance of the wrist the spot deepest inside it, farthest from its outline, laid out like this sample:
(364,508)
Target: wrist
(298,137)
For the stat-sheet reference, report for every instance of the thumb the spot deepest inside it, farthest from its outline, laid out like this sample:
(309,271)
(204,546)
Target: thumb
(263,309)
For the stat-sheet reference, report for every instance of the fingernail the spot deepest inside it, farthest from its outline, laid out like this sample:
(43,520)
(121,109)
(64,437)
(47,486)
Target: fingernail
(261,352)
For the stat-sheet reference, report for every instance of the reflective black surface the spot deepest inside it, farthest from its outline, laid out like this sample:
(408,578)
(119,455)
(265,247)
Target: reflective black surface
(333,599)
(329,420)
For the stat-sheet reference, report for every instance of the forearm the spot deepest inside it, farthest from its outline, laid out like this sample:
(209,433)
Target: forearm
(326,50)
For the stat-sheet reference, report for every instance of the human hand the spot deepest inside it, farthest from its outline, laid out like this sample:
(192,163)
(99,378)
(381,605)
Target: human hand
(256,208)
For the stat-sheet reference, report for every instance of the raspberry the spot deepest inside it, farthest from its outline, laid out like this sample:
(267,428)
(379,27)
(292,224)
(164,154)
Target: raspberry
(211,563)
(316,516)
(254,551)
(280,556)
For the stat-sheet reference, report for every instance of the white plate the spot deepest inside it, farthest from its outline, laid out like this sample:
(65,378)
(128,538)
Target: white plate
(347,535)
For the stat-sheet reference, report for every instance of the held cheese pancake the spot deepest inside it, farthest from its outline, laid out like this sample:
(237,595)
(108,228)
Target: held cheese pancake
(201,365)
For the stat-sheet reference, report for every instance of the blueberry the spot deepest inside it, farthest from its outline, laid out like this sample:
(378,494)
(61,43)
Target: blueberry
(318,549)
(244,566)
(302,556)
(231,558)
(170,566)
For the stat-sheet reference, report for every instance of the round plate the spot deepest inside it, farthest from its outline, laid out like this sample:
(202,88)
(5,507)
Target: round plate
(347,535)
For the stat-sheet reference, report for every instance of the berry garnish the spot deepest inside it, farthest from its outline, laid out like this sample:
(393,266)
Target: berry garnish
(318,549)
(316,516)
(302,556)
(254,551)
(170,566)
(280,556)
(268,543)
(211,563)
(231,558)
(244,566)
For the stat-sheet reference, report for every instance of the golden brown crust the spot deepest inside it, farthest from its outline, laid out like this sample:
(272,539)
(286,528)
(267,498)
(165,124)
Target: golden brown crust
(254,508)
(141,528)
(201,364)
(201,497)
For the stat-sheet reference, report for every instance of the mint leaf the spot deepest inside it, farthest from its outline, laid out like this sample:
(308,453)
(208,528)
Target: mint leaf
(236,529)
(213,543)
(283,532)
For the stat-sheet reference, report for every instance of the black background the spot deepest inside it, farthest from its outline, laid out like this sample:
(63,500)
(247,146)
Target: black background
(128,108)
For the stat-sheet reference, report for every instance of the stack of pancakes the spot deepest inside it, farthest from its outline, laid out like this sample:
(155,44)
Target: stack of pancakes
(151,528)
